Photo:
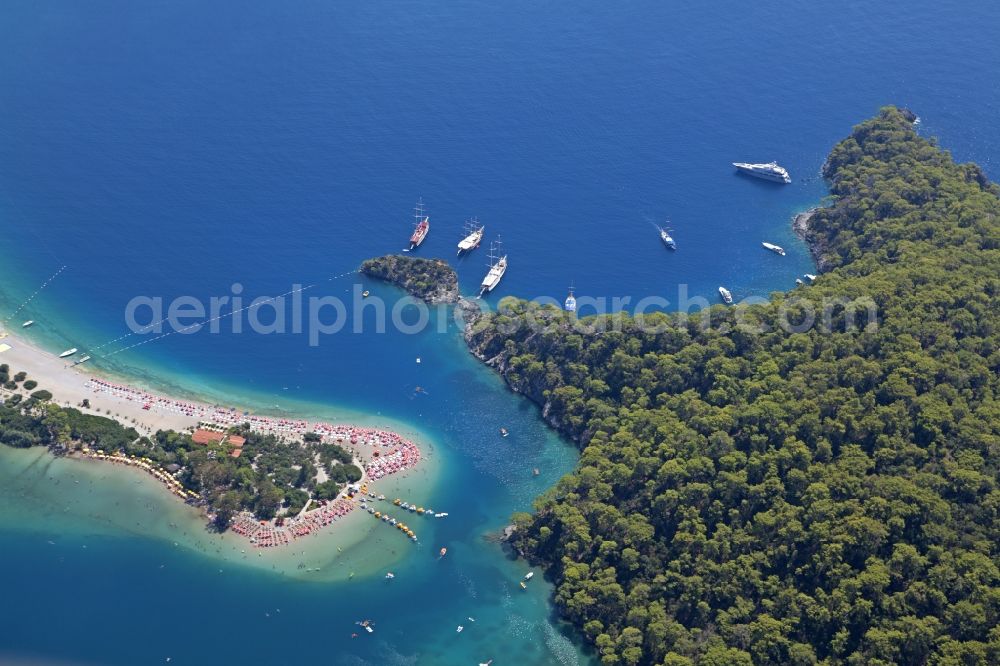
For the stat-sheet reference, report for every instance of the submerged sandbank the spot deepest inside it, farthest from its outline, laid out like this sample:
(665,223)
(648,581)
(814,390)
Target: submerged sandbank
(58,495)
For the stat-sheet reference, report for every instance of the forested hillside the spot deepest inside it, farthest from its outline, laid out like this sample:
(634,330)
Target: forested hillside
(800,494)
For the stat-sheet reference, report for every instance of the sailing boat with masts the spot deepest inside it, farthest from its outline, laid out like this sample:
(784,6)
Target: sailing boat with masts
(570,304)
(473,236)
(421,226)
(498,266)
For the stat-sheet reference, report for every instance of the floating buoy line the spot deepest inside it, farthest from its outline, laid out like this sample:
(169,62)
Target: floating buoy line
(203,322)
(32,297)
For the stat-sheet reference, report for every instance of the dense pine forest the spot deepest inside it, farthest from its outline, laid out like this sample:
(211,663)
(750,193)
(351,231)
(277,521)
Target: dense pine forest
(821,489)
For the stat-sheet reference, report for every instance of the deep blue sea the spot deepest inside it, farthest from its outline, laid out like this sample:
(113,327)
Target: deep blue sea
(169,148)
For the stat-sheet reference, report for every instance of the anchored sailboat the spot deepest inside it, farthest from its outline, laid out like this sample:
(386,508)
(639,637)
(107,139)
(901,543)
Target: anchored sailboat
(497,268)
(570,304)
(473,236)
(421,226)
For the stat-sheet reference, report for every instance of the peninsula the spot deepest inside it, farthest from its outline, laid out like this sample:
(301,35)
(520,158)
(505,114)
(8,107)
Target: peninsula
(430,280)
(785,496)
(269,479)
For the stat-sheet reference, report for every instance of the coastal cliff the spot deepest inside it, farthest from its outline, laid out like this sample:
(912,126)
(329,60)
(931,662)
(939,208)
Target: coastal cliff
(430,280)
(488,337)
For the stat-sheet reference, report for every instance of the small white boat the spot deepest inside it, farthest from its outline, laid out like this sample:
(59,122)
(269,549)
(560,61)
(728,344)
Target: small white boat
(440,515)
(459,630)
(82,359)
(727,295)
(777,249)
(369,629)
(529,575)
(799,281)
(28,323)
(69,352)
(811,277)
(666,238)
(390,576)
(570,304)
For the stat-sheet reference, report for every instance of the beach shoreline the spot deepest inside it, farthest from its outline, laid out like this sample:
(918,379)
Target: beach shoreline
(379,453)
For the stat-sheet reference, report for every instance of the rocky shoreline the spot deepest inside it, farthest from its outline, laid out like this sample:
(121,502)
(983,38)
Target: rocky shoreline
(431,280)
(817,248)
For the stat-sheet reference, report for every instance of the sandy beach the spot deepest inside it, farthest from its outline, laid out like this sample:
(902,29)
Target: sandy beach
(381,453)
(69,386)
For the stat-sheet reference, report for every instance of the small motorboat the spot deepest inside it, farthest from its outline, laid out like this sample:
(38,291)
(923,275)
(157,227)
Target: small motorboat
(390,576)
(777,249)
(69,352)
(369,629)
(535,472)
(459,630)
(529,575)
(504,432)
(28,323)
(727,295)
(442,552)
(524,586)
(666,238)
(810,277)
(365,294)
(799,281)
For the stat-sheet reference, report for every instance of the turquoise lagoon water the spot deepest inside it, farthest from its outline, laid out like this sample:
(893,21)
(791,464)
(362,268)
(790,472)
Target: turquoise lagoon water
(177,148)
